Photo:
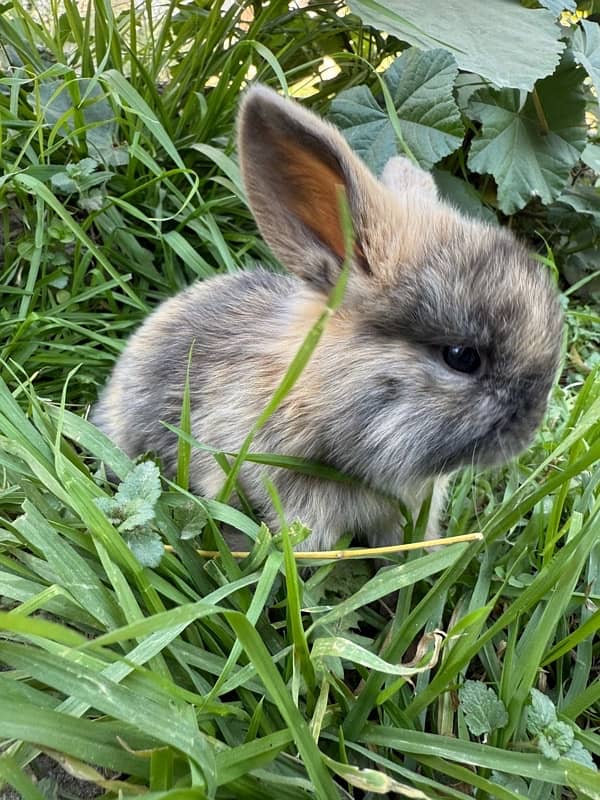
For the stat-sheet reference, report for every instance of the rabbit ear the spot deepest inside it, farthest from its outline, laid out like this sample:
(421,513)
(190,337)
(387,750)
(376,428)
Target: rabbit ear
(293,164)
(402,177)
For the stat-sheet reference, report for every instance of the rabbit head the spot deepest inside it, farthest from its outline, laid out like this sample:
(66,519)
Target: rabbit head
(448,340)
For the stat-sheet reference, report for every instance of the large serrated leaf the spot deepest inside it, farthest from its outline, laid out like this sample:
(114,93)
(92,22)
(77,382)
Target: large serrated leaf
(365,126)
(591,157)
(463,195)
(421,86)
(586,50)
(509,45)
(584,200)
(558,6)
(530,152)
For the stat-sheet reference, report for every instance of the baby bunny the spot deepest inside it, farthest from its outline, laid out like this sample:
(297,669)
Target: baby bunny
(442,354)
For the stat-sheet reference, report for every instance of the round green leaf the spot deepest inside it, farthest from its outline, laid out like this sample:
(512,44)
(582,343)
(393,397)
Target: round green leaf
(509,45)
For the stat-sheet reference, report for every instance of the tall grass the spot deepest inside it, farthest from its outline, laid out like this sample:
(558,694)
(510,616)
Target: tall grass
(203,679)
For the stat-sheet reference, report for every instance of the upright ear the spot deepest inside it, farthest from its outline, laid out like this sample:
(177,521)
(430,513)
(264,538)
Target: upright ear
(403,178)
(292,164)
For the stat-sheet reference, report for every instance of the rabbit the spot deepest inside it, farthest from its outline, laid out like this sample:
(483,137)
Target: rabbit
(442,353)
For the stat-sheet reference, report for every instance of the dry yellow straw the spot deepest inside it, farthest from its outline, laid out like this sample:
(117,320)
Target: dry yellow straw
(363,552)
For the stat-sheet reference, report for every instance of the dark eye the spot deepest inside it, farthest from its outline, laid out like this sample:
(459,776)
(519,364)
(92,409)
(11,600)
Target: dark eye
(462,359)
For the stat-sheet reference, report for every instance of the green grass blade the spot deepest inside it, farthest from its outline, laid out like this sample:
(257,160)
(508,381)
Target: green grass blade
(280,695)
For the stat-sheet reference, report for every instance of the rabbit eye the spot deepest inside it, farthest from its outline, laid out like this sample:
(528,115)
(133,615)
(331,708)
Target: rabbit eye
(462,359)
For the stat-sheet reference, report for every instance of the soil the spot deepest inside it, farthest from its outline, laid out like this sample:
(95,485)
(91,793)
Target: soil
(54,783)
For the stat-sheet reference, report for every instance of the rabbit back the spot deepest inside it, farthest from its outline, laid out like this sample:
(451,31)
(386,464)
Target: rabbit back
(226,325)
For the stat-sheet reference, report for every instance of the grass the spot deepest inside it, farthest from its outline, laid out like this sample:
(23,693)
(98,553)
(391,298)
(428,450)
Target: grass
(226,679)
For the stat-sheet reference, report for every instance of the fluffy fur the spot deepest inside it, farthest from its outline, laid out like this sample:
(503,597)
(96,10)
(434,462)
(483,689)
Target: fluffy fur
(377,400)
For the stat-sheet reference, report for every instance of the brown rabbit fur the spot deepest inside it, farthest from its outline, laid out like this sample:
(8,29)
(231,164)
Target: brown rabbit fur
(378,399)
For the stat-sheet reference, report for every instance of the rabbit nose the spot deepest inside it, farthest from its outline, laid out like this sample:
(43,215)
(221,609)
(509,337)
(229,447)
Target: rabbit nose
(518,407)
(512,406)
(518,398)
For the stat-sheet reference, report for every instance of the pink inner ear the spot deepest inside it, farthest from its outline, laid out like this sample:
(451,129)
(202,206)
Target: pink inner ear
(312,194)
